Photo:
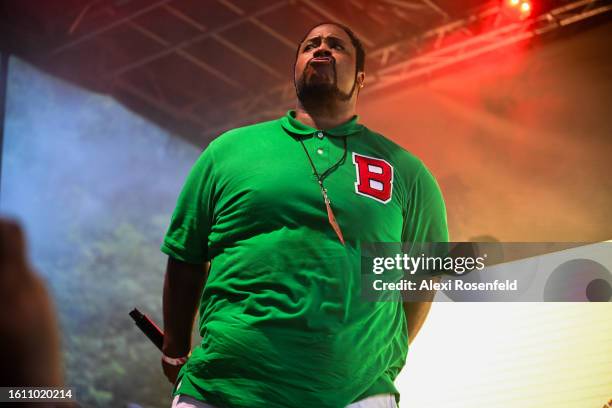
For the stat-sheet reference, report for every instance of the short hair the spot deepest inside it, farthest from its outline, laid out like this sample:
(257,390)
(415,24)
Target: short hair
(359,50)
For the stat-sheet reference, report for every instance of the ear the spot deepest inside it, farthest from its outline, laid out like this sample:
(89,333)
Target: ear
(361,78)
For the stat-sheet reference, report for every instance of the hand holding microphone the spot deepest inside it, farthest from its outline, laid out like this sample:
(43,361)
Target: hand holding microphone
(171,360)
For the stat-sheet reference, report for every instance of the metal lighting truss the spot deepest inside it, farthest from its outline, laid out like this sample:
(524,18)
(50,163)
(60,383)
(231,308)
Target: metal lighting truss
(410,59)
(250,101)
(498,37)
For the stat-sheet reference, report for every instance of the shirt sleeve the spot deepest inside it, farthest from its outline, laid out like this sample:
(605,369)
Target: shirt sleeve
(187,236)
(425,219)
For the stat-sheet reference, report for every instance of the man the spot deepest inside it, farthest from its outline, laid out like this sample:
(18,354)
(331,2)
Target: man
(280,210)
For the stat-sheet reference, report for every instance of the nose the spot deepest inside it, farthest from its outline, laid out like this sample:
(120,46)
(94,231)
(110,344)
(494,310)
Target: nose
(322,51)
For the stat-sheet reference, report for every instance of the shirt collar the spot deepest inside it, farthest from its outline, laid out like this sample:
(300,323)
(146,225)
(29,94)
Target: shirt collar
(292,125)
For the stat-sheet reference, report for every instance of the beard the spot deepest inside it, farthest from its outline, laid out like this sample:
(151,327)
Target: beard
(320,95)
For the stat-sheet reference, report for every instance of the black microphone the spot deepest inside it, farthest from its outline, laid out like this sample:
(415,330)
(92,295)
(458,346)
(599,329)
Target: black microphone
(148,327)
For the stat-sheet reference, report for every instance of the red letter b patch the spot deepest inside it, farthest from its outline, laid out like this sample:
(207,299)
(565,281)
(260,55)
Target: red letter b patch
(374,178)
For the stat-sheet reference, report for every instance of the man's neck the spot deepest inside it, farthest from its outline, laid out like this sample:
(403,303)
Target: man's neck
(324,120)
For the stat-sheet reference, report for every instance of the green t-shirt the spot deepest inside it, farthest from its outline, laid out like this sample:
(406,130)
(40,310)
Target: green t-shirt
(281,317)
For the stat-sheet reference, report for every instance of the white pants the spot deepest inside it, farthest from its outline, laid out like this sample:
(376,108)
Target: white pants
(375,401)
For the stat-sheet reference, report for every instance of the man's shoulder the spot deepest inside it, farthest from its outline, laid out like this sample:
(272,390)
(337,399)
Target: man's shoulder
(245,133)
(393,151)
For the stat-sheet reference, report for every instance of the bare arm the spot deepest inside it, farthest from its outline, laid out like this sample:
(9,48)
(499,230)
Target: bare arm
(183,285)
(416,312)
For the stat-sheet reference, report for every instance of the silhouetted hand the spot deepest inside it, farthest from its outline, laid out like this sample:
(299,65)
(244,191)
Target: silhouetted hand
(29,340)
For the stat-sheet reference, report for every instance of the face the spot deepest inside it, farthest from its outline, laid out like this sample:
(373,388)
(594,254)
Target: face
(325,65)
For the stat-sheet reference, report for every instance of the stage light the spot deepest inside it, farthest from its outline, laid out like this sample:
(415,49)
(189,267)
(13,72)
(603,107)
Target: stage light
(525,7)
(517,9)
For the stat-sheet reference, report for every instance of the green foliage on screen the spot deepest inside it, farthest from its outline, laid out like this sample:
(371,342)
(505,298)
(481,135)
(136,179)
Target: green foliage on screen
(94,186)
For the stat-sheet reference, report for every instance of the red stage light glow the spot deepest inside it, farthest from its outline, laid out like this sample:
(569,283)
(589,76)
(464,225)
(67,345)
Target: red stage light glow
(517,9)
(525,7)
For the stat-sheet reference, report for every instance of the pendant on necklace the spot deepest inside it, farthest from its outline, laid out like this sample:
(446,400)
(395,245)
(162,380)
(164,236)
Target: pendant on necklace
(331,218)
